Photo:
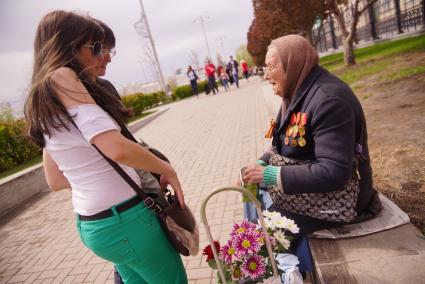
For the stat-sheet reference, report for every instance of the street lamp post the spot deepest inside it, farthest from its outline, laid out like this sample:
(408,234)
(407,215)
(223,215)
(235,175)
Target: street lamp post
(201,20)
(220,39)
(142,28)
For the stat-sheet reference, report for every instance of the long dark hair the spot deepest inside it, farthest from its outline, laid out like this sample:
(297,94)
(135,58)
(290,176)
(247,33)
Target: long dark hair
(60,34)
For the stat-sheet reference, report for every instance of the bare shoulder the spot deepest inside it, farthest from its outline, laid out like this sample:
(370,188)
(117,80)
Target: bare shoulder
(69,88)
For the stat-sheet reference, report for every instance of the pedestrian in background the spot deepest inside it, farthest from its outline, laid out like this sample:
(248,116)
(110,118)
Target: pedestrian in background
(225,79)
(210,73)
(193,78)
(233,67)
(245,69)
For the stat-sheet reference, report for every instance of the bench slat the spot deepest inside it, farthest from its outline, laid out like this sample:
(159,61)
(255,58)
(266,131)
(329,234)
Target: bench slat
(392,256)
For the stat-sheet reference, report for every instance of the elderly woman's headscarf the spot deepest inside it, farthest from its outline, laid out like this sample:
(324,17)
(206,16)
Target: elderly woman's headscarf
(298,58)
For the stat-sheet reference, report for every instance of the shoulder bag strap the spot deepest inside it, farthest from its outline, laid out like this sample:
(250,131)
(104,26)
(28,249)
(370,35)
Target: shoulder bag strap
(119,170)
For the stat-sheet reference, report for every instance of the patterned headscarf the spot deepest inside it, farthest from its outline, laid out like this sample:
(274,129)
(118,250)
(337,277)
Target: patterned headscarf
(298,58)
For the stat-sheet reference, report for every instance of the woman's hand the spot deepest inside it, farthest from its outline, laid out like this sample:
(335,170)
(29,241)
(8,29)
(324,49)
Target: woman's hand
(170,177)
(163,182)
(254,174)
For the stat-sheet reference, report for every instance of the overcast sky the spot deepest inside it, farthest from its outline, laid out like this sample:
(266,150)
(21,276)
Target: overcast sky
(171,22)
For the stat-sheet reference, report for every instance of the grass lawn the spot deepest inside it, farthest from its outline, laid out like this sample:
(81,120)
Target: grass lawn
(20,167)
(377,51)
(377,59)
(141,116)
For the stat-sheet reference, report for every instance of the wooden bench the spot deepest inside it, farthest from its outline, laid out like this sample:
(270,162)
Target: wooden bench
(392,256)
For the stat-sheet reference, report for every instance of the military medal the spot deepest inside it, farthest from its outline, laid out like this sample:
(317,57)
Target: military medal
(303,119)
(294,134)
(294,131)
(301,141)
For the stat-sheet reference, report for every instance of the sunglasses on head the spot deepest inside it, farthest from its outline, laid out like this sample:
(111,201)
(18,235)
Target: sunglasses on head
(99,51)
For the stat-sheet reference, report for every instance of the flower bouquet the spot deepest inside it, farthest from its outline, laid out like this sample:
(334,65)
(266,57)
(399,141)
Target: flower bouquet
(251,253)
(244,257)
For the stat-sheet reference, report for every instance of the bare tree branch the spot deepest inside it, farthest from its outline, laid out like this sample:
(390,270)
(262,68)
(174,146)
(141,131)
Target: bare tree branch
(367,5)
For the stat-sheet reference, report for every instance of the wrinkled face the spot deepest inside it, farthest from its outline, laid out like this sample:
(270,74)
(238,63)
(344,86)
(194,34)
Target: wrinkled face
(92,65)
(274,73)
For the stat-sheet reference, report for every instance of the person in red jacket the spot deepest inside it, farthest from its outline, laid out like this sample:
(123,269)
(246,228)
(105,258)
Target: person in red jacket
(210,73)
(245,69)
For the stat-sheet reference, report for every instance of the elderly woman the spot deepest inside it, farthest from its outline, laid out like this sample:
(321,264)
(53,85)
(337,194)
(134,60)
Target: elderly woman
(318,170)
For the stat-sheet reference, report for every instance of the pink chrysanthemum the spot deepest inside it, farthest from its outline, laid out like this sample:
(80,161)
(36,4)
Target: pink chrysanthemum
(227,252)
(253,267)
(243,227)
(246,243)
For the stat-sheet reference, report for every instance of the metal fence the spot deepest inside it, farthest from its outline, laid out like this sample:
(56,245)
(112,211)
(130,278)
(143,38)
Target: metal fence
(384,19)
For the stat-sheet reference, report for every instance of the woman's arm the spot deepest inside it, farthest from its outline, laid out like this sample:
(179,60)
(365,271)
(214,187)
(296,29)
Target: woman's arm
(123,151)
(69,89)
(55,178)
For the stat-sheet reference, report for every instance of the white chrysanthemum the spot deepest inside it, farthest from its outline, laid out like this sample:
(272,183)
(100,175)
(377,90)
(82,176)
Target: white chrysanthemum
(292,227)
(275,214)
(267,214)
(280,237)
(270,224)
(281,222)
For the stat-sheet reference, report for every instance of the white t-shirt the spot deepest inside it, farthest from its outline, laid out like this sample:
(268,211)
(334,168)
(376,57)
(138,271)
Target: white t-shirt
(96,186)
(191,75)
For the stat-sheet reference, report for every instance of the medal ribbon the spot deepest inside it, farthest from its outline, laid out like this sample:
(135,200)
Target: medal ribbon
(269,133)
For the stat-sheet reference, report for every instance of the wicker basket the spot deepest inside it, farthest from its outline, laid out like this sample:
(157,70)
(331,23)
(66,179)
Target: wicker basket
(273,279)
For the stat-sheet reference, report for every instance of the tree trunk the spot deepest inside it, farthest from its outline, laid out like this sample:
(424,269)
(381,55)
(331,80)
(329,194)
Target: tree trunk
(347,43)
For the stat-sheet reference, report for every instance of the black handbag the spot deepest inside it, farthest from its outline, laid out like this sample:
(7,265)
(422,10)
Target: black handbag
(335,206)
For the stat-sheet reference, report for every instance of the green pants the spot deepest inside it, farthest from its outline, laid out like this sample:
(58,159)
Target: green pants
(135,242)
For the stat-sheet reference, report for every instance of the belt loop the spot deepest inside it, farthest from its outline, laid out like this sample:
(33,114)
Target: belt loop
(78,222)
(116,214)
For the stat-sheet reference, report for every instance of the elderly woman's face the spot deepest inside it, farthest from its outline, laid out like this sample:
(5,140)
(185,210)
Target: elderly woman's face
(274,73)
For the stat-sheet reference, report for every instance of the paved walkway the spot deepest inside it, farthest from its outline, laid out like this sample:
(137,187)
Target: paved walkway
(207,139)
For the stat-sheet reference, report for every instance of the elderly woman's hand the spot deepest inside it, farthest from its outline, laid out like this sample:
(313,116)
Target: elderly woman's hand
(254,174)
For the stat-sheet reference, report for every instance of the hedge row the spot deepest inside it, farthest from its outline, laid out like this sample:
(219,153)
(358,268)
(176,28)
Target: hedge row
(140,101)
(186,90)
(15,148)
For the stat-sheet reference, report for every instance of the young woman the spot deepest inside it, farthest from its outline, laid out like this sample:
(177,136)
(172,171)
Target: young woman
(65,118)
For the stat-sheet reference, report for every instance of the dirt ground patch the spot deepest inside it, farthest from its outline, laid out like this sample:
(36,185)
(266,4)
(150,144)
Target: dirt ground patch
(395,113)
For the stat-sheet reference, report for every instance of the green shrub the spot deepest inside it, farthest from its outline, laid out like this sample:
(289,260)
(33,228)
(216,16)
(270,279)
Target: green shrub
(134,101)
(183,91)
(140,102)
(202,85)
(186,90)
(15,148)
